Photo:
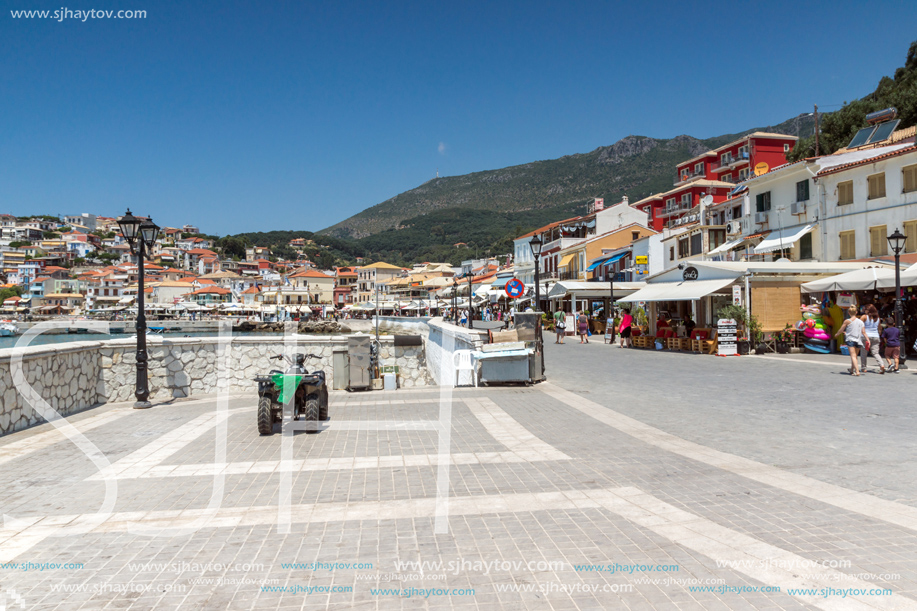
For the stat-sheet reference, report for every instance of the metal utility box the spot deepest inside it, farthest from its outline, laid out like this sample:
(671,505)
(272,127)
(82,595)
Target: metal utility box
(360,376)
(507,367)
(340,368)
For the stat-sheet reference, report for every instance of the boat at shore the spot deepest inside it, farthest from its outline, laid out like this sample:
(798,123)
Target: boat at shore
(8,329)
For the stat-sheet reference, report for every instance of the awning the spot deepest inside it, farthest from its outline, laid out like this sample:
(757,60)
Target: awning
(784,238)
(685,290)
(857,280)
(726,246)
(566,260)
(607,260)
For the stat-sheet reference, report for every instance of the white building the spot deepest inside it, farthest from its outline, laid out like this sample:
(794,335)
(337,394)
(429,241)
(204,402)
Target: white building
(864,201)
(89,221)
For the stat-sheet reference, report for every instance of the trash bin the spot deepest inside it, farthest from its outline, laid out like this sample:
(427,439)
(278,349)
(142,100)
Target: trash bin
(389,382)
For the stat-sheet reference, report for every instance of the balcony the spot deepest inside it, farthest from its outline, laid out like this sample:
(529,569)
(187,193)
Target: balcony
(685,178)
(678,208)
(732,161)
(561,243)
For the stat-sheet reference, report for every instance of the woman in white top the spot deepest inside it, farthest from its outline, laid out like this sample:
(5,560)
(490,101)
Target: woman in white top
(853,336)
(872,328)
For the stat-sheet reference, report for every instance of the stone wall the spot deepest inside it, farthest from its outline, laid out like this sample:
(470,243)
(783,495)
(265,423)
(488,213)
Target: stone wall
(77,375)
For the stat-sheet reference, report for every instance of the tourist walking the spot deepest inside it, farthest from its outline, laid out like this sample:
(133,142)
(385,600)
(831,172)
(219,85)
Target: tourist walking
(560,326)
(892,337)
(624,328)
(853,337)
(583,328)
(872,324)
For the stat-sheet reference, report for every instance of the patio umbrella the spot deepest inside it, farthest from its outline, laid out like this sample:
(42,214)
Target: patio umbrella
(908,278)
(857,280)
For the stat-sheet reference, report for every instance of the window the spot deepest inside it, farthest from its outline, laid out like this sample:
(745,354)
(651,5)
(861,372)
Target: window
(697,243)
(634,235)
(683,248)
(802,191)
(786,148)
(743,174)
(848,244)
(670,203)
(763,202)
(910,230)
(726,178)
(878,242)
(724,159)
(845,193)
(686,199)
(876,185)
(717,237)
(743,151)
(671,253)
(737,212)
(805,246)
(909,174)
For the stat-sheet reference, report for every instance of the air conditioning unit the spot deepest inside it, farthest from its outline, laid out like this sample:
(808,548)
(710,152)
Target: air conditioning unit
(798,208)
(734,227)
(760,217)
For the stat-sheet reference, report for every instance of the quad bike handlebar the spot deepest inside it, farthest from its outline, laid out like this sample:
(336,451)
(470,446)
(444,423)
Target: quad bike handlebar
(295,358)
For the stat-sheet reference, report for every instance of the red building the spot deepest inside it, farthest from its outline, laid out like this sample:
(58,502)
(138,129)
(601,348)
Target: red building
(714,173)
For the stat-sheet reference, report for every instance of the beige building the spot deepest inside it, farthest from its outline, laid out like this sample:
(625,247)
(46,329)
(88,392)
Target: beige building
(318,286)
(369,276)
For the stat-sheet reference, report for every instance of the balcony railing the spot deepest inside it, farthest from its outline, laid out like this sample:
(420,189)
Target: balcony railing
(731,160)
(676,208)
(688,176)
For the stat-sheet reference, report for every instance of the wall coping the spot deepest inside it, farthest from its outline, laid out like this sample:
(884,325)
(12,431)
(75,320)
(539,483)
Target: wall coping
(153,341)
(470,336)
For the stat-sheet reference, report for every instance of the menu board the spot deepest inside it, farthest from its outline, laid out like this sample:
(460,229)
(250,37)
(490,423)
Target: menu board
(726,336)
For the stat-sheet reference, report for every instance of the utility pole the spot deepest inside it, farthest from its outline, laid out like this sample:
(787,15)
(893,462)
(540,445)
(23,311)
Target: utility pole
(816,130)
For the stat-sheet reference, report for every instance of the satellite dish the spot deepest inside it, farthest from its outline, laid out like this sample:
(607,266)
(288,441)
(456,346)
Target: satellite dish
(706,200)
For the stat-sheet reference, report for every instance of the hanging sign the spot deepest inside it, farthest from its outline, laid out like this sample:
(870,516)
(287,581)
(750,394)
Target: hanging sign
(514,288)
(690,273)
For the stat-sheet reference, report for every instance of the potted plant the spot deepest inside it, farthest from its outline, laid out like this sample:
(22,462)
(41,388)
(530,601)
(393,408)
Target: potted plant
(742,345)
(783,339)
(755,335)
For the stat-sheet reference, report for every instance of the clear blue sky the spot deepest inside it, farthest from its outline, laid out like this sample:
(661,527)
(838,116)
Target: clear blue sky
(269,115)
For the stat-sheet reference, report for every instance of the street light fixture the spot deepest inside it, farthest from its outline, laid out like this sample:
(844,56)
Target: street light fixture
(470,305)
(535,244)
(454,300)
(897,241)
(141,236)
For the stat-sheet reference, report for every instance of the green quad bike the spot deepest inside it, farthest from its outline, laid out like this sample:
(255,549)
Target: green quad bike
(308,392)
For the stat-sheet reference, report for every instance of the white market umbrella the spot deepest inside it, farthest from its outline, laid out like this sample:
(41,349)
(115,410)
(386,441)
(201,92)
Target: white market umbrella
(908,278)
(858,280)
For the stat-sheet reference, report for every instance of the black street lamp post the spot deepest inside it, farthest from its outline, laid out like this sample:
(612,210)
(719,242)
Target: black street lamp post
(470,307)
(897,241)
(535,244)
(610,315)
(454,300)
(141,235)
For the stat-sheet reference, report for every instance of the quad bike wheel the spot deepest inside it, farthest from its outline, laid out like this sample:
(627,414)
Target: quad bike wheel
(313,413)
(265,417)
(323,408)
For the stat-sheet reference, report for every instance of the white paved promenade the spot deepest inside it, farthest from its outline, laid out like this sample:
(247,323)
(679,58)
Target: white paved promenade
(632,480)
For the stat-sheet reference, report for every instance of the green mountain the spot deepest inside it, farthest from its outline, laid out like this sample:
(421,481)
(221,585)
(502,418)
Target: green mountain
(635,166)
(839,127)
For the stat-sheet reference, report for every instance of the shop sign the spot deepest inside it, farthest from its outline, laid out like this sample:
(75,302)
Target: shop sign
(736,294)
(642,260)
(726,336)
(690,273)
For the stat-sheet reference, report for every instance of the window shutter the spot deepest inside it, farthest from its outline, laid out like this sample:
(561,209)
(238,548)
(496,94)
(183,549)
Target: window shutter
(910,230)
(910,178)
